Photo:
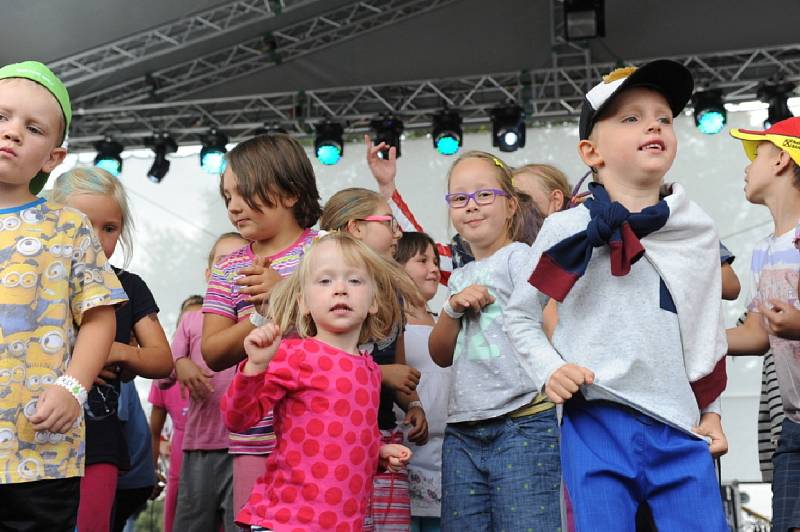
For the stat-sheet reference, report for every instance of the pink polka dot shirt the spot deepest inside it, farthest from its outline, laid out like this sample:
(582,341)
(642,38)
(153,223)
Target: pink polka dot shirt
(325,401)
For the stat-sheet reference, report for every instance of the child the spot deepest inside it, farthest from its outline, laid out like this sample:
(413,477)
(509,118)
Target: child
(205,495)
(56,316)
(170,402)
(272,199)
(500,466)
(416,253)
(773,179)
(323,389)
(637,357)
(101,197)
(367,217)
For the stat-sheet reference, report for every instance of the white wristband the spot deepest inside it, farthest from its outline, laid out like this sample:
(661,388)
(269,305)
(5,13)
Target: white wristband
(71,384)
(414,404)
(448,309)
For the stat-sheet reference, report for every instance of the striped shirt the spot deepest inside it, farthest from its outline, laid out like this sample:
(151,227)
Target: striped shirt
(224,299)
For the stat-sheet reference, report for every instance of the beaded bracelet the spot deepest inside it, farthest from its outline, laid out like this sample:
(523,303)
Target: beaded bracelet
(414,404)
(71,384)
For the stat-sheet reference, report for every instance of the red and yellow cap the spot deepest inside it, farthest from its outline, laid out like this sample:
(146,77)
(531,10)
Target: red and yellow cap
(785,135)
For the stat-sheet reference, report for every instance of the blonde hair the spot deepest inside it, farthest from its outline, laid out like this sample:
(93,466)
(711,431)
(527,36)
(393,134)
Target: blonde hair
(93,180)
(388,278)
(522,221)
(346,205)
(550,177)
(220,238)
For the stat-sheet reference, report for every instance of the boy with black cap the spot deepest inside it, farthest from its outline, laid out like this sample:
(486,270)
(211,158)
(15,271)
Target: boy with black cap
(773,320)
(638,356)
(54,279)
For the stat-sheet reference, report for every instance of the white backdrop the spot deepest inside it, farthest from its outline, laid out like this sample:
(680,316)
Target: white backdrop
(177,221)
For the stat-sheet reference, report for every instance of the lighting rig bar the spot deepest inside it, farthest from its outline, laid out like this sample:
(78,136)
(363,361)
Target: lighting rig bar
(166,38)
(544,94)
(264,51)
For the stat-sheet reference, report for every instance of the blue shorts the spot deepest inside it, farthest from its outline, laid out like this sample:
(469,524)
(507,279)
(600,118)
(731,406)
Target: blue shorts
(614,458)
(786,478)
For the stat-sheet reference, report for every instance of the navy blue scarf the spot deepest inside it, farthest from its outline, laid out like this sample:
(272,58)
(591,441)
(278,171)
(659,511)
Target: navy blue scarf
(611,224)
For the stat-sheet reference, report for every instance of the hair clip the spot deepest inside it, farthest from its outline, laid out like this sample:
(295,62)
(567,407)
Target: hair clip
(499,163)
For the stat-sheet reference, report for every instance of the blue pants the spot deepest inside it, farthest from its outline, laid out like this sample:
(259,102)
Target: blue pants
(786,478)
(502,474)
(615,458)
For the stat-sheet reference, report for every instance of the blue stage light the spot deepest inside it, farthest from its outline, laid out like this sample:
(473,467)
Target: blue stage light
(109,156)
(328,142)
(212,155)
(447,133)
(508,127)
(710,115)
(329,154)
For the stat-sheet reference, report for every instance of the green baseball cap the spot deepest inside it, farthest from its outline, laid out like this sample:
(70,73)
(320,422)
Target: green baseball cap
(39,73)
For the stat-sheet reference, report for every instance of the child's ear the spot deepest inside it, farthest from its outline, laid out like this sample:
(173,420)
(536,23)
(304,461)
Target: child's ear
(288,203)
(589,153)
(301,306)
(783,162)
(57,156)
(355,229)
(373,308)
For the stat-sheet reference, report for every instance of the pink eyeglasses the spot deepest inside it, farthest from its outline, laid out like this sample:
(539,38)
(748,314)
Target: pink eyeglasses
(386,219)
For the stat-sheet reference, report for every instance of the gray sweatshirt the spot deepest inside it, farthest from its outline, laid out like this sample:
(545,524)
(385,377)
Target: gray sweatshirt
(614,326)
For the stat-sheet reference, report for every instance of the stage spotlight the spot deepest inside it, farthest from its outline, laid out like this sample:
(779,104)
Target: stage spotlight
(387,128)
(508,127)
(710,115)
(161,144)
(108,156)
(776,95)
(584,19)
(212,155)
(328,142)
(447,133)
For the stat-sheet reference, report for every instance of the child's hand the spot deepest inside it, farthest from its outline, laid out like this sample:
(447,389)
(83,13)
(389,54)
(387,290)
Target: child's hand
(258,280)
(383,170)
(473,297)
(781,318)
(261,345)
(400,377)
(415,417)
(192,377)
(56,410)
(394,457)
(565,381)
(711,426)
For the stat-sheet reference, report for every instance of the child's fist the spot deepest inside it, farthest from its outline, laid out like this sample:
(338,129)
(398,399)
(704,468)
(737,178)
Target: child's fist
(394,457)
(473,297)
(261,345)
(566,380)
(56,410)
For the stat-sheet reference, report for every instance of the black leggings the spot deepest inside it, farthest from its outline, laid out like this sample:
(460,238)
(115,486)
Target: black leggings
(126,504)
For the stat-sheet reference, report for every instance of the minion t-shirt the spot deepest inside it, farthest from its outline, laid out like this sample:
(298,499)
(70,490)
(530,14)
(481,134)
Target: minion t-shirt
(52,270)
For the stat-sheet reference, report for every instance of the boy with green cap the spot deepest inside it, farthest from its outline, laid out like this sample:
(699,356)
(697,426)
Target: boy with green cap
(57,293)
(772,179)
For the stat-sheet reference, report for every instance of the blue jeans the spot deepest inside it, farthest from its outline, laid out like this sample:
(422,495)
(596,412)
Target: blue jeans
(502,474)
(615,458)
(786,478)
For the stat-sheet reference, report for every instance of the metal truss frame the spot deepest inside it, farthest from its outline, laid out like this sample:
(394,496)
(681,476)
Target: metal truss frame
(166,38)
(545,94)
(281,45)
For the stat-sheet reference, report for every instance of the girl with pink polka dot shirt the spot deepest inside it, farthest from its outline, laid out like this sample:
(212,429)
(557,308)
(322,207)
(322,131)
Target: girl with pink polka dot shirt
(324,392)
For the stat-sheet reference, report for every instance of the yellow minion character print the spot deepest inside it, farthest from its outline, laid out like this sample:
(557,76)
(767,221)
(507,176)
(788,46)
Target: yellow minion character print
(52,269)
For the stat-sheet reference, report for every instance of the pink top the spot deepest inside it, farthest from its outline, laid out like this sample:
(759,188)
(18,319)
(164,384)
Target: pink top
(224,299)
(171,401)
(205,429)
(326,423)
